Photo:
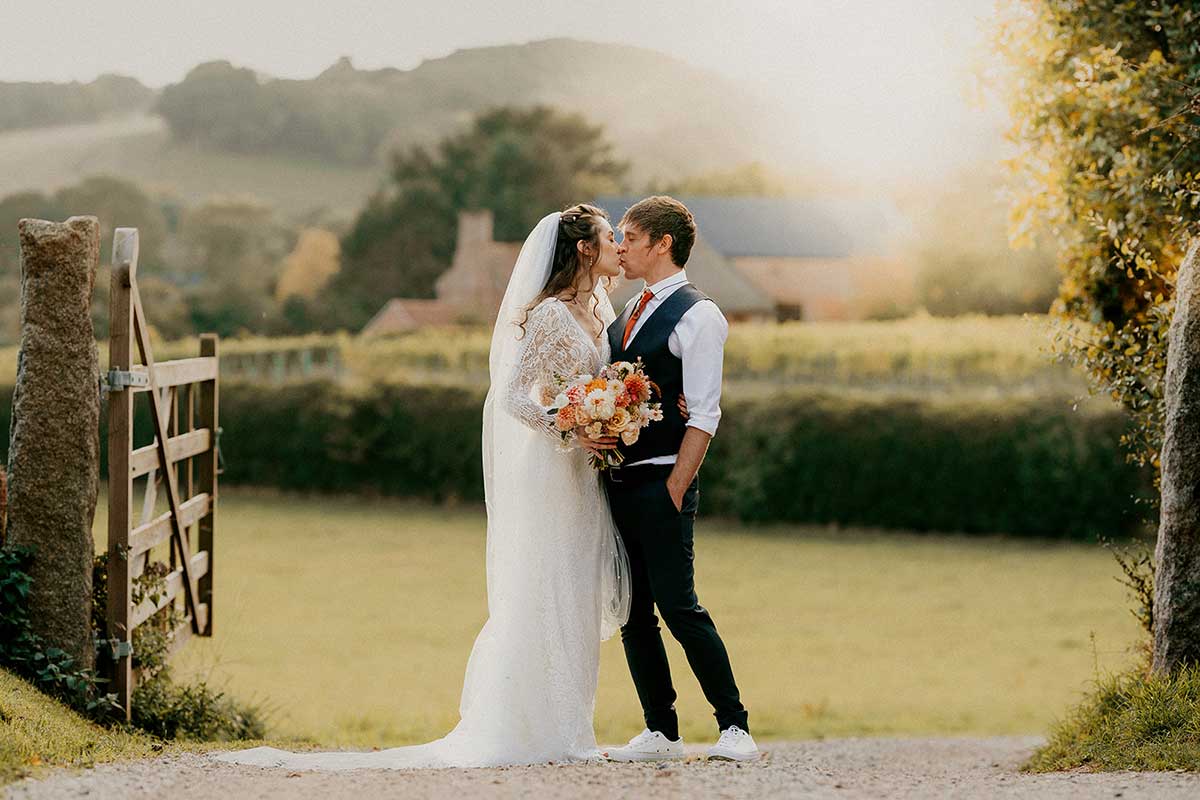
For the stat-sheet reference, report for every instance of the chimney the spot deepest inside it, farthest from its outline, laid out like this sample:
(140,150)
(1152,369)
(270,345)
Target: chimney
(474,228)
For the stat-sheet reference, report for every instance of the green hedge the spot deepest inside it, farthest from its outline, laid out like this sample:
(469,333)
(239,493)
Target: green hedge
(1032,467)
(1024,467)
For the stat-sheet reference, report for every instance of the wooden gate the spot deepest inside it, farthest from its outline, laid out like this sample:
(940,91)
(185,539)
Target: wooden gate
(182,395)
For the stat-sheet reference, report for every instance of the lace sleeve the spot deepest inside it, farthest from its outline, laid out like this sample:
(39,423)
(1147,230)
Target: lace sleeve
(544,355)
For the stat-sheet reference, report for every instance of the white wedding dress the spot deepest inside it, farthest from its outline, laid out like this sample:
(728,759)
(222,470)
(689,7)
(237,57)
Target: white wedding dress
(557,576)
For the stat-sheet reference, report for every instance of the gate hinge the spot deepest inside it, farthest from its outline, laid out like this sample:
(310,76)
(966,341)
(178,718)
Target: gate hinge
(116,647)
(115,380)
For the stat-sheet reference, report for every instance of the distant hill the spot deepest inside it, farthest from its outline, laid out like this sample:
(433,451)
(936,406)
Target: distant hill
(34,105)
(139,148)
(662,112)
(322,143)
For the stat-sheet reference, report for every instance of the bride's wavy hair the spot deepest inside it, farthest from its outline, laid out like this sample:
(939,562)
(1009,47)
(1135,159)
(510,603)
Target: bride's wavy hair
(579,223)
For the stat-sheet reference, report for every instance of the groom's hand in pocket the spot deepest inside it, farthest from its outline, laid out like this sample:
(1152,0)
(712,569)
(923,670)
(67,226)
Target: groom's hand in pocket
(595,446)
(676,493)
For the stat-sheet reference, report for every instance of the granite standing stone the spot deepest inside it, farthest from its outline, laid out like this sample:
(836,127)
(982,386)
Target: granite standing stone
(1177,555)
(54,442)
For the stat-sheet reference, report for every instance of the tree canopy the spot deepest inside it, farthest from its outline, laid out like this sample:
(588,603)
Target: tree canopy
(518,163)
(31,105)
(1104,97)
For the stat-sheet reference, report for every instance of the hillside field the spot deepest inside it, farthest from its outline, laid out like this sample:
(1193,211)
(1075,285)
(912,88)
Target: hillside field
(139,148)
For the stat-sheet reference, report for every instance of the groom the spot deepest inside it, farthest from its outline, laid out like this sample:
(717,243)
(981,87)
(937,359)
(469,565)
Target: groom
(679,334)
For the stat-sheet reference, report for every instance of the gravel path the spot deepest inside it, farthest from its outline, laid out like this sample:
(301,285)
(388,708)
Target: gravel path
(842,768)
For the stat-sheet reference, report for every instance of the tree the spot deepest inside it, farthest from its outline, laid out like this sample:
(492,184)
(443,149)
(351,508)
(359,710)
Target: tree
(310,265)
(1106,101)
(220,104)
(231,108)
(1108,165)
(304,306)
(232,248)
(518,163)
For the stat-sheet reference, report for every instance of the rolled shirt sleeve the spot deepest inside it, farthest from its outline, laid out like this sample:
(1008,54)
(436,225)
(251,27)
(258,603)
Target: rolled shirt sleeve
(699,342)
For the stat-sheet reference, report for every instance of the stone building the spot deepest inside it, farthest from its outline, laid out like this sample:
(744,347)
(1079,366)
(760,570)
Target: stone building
(469,292)
(790,259)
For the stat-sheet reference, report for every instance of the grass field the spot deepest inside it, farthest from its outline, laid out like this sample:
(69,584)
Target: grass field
(993,355)
(353,619)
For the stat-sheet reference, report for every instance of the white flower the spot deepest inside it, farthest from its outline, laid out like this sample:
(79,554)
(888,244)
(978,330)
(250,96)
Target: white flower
(561,400)
(599,404)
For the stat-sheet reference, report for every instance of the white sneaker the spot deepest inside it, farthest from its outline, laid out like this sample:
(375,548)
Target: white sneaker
(647,746)
(735,744)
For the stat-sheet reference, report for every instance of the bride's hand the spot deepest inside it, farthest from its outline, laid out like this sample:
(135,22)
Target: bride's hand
(683,406)
(595,446)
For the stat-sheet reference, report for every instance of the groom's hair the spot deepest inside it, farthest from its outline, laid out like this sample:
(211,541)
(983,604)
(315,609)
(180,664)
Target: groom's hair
(661,215)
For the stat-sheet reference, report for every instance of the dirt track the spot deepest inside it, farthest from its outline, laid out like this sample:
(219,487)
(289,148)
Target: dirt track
(843,768)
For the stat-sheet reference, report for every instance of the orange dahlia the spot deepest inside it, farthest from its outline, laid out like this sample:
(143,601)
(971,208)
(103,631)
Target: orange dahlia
(565,420)
(637,386)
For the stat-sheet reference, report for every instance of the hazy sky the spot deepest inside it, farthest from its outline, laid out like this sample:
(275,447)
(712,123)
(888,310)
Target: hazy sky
(874,81)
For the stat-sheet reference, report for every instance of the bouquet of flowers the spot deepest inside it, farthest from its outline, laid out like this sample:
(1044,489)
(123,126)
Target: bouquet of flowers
(616,402)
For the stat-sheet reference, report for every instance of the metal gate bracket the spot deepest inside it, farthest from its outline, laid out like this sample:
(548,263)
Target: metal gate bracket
(115,380)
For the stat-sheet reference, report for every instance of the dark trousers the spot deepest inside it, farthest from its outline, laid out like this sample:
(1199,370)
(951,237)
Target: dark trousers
(659,540)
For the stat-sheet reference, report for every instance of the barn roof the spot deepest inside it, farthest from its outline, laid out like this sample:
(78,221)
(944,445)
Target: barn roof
(782,227)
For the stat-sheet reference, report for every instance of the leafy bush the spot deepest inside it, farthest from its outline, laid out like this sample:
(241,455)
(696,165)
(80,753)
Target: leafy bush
(159,704)
(193,711)
(21,650)
(1031,467)
(1024,466)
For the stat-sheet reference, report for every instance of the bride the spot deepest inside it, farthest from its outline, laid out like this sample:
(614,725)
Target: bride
(557,574)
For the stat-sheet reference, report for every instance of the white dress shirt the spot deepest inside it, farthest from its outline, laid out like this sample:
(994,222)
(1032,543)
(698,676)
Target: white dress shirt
(699,342)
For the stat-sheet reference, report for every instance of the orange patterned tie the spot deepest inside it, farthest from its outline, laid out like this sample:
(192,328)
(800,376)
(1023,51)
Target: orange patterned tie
(637,312)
